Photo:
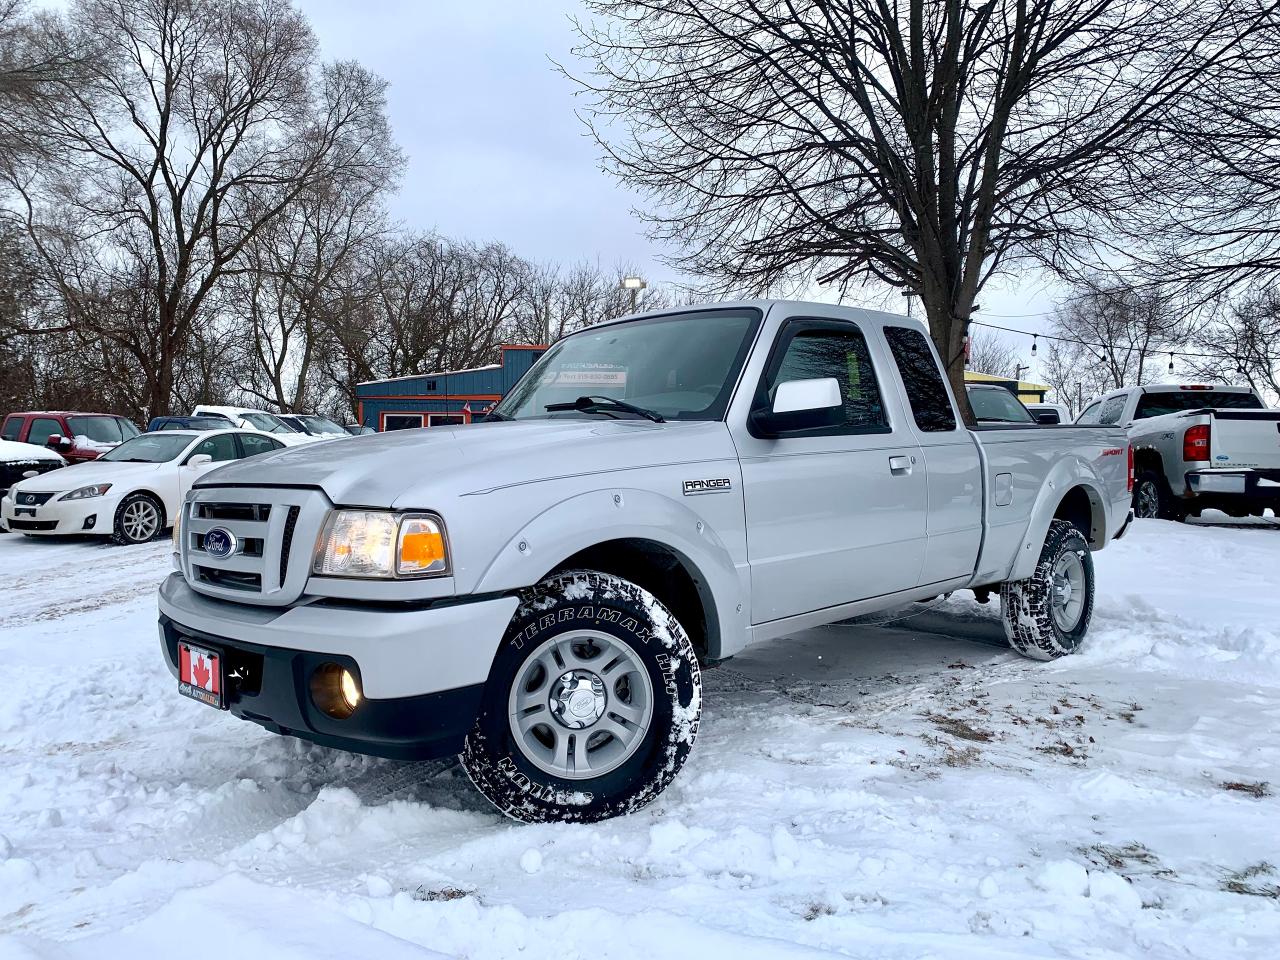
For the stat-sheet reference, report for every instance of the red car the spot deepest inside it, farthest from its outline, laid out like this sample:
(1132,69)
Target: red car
(77,436)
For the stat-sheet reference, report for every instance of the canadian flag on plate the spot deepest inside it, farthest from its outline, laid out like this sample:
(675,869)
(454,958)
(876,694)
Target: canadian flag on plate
(199,673)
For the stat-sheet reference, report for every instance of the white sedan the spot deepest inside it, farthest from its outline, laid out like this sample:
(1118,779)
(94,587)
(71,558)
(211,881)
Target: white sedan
(130,493)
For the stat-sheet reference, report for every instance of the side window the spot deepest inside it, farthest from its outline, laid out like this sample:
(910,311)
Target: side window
(12,428)
(930,404)
(1090,413)
(127,429)
(42,428)
(1112,409)
(252,444)
(833,351)
(218,448)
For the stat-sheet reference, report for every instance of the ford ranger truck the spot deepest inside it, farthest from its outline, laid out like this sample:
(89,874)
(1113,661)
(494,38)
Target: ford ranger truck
(537,592)
(1197,447)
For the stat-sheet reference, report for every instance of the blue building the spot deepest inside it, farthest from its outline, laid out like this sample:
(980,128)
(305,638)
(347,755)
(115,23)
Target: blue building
(445,398)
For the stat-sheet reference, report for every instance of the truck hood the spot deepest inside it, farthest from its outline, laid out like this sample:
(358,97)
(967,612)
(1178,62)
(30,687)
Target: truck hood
(412,468)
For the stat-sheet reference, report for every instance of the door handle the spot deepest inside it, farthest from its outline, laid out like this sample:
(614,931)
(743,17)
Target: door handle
(900,466)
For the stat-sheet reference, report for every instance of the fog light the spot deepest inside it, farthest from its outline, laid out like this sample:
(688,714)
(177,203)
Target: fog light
(335,691)
(90,521)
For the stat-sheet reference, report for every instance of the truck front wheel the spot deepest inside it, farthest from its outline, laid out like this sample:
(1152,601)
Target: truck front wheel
(591,706)
(1047,615)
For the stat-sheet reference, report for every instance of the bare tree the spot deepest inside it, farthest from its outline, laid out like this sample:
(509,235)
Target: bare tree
(564,299)
(1212,212)
(1113,334)
(992,354)
(1243,338)
(194,125)
(32,69)
(926,145)
(1074,374)
(287,292)
(420,304)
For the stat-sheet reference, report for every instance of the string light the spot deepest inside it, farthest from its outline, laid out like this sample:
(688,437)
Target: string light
(1089,343)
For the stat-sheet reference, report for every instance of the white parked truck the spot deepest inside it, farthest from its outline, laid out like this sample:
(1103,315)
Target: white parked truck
(1196,447)
(536,592)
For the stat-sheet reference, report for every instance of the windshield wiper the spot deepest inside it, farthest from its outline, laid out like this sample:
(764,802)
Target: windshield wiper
(596,402)
(493,417)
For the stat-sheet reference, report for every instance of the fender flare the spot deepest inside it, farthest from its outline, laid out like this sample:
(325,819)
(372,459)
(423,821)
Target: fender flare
(621,513)
(1065,476)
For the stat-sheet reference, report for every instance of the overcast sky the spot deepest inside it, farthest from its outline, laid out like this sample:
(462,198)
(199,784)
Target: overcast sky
(495,150)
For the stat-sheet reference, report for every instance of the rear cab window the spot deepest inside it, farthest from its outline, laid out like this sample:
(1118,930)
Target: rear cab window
(926,391)
(1090,413)
(997,405)
(1113,409)
(1161,403)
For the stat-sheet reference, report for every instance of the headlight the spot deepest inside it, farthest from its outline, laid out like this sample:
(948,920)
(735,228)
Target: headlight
(84,493)
(374,543)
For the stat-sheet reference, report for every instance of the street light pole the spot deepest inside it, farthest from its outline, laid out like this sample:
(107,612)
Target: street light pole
(635,285)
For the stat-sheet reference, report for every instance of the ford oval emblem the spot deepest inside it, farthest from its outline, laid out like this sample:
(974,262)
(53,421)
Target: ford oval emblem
(220,543)
(1222,457)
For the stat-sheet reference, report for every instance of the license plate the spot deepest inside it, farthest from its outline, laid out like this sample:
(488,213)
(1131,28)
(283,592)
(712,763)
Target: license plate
(200,674)
(24,511)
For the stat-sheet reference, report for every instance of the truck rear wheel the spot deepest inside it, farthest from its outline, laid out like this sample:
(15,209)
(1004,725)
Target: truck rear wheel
(1153,500)
(1047,615)
(592,704)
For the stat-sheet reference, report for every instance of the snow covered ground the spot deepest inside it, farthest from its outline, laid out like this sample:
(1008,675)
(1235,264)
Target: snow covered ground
(907,790)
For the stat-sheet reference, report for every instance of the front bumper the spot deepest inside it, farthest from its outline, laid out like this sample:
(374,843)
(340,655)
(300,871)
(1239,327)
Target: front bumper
(1235,490)
(60,517)
(422,669)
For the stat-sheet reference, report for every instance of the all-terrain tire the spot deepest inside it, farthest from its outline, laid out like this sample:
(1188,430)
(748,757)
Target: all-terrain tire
(1028,606)
(1152,498)
(559,624)
(127,527)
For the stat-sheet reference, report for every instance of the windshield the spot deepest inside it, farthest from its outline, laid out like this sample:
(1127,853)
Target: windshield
(998,405)
(98,429)
(266,422)
(149,448)
(321,425)
(1158,404)
(681,367)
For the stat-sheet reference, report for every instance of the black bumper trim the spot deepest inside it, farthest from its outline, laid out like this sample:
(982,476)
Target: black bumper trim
(270,687)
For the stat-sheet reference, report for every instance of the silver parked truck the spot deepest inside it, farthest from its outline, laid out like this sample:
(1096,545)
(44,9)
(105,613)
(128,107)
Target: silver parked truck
(537,592)
(1196,447)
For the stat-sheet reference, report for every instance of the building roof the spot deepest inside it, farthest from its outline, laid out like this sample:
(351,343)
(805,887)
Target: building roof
(437,373)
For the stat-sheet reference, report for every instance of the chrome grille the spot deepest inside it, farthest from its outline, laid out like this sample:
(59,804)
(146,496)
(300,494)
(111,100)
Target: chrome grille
(268,525)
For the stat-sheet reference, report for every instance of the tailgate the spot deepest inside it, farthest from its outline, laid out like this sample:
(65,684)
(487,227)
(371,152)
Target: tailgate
(1245,438)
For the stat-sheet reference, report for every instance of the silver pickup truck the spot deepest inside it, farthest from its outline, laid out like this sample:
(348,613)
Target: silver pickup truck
(537,592)
(1196,447)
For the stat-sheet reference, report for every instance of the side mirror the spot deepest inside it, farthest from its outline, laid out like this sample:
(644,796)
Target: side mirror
(800,405)
(57,441)
(1046,417)
(199,460)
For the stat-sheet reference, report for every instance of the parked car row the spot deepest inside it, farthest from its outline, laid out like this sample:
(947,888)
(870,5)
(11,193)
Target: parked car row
(132,492)
(113,479)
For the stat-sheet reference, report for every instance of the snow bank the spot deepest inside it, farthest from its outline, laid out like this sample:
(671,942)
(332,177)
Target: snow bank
(883,792)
